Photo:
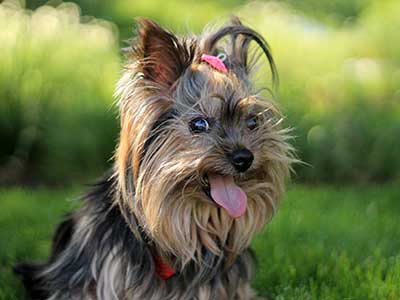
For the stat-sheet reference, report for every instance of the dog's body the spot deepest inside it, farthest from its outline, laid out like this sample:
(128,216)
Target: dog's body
(95,256)
(200,168)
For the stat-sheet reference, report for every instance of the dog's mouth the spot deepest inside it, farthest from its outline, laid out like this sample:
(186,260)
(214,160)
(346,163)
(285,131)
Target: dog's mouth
(223,190)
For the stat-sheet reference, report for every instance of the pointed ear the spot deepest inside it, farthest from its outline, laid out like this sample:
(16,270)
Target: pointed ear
(162,57)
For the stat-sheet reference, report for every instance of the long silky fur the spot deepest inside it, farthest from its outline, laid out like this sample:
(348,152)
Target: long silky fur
(152,202)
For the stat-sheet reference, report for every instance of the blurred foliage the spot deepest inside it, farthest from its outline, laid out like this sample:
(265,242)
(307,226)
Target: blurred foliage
(179,15)
(335,12)
(340,89)
(195,14)
(56,84)
(339,64)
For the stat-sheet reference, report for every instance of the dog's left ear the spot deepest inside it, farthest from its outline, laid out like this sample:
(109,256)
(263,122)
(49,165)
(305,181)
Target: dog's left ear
(162,56)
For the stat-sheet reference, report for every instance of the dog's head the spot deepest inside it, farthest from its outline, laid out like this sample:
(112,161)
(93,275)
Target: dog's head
(202,159)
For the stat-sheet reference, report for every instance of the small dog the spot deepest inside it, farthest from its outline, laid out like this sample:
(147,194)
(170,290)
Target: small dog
(199,169)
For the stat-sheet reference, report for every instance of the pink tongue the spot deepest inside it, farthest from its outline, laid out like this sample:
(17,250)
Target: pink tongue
(227,194)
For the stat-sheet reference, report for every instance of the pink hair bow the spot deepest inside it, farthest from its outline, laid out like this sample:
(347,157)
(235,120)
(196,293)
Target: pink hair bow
(214,62)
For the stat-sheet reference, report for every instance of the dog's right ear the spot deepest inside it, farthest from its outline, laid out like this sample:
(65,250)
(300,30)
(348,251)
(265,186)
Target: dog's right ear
(162,57)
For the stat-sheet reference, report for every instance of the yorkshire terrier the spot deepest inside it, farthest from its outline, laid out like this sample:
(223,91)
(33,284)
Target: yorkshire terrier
(200,168)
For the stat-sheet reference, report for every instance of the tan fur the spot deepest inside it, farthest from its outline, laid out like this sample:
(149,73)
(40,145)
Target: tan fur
(157,201)
(160,183)
(174,210)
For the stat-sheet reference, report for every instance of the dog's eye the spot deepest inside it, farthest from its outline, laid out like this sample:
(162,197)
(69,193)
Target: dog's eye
(252,123)
(199,125)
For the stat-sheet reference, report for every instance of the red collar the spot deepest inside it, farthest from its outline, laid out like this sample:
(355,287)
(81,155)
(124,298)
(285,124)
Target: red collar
(163,269)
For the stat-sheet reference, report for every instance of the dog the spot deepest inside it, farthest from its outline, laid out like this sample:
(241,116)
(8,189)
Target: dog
(200,167)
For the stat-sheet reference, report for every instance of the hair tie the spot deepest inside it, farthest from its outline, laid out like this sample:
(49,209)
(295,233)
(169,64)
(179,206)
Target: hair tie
(215,61)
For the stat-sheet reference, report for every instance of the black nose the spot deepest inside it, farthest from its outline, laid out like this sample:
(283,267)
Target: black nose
(242,159)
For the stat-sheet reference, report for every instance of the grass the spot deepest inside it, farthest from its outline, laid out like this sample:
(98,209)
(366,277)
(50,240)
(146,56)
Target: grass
(325,243)
(332,243)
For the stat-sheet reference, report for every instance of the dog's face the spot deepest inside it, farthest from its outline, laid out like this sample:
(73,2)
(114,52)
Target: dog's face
(200,150)
(221,136)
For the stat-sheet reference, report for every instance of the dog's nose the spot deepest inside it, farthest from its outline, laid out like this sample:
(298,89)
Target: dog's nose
(242,159)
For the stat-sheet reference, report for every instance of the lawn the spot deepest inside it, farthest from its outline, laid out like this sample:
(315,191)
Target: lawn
(325,243)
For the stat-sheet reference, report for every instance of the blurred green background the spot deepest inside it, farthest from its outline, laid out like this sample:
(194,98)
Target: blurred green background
(339,64)
(337,235)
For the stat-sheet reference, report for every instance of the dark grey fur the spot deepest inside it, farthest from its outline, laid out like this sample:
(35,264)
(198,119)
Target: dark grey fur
(100,251)
(74,265)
